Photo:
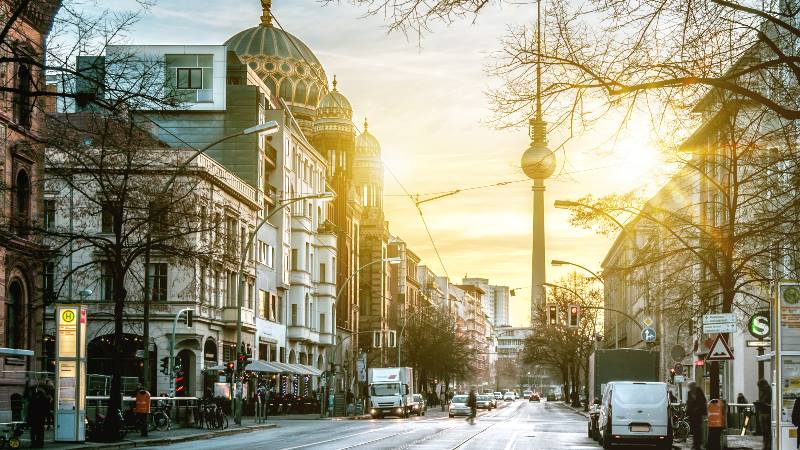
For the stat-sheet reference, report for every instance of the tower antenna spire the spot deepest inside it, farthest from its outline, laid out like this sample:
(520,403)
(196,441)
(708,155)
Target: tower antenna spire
(266,16)
(538,127)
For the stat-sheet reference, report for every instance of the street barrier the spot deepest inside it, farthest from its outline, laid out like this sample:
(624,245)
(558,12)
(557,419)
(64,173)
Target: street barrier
(183,409)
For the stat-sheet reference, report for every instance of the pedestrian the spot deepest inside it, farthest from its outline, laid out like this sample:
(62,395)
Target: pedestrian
(142,408)
(472,402)
(50,392)
(696,410)
(38,406)
(764,411)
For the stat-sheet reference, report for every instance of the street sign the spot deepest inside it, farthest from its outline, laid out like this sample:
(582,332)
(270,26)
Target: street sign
(648,334)
(678,368)
(714,328)
(719,318)
(758,325)
(720,351)
(677,352)
(647,322)
(680,378)
(761,344)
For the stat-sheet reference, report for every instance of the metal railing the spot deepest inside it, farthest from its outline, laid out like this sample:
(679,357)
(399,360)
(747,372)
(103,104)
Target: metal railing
(183,409)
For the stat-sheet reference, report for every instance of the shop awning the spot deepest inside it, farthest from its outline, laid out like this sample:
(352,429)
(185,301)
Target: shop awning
(263,366)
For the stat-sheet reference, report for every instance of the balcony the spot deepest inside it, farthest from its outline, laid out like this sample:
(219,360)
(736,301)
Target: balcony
(270,156)
(248,318)
(326,339)
(301,333)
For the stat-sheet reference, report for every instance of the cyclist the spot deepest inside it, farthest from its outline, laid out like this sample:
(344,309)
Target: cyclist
(472,402)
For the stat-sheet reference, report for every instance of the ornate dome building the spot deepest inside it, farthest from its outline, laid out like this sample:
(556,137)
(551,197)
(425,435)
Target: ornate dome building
(285,64)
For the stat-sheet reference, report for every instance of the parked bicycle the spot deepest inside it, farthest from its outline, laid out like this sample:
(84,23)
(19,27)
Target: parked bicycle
(680,423)
(159,417)
(211,417)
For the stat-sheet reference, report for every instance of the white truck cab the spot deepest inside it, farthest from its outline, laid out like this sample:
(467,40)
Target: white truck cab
(391,391)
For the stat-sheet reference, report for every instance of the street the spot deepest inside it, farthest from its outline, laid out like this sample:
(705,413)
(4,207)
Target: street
(520,424)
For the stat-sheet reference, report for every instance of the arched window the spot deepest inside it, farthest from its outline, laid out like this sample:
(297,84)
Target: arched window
(23,197)
(14,319)
(301,92)
(286,89)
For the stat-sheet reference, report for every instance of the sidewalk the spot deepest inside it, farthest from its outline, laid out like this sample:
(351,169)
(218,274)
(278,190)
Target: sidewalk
(173,436)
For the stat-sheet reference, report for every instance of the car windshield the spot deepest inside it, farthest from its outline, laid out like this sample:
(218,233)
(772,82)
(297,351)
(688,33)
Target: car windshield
(460,399)
(381,390)
(640,394)
(483,398)
(417,398)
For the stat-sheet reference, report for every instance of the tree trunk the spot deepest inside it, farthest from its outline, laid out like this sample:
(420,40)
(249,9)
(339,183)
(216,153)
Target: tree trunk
(113,423)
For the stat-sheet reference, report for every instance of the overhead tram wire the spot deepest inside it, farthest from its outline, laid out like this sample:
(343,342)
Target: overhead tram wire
(408,194)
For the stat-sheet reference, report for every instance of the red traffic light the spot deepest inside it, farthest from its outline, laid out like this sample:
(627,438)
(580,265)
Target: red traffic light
(229,365)
(672,370)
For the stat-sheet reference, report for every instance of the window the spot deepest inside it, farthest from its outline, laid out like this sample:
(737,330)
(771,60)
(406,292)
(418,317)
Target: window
(217,290)
(263,250)
(107,219)
(189,78)
(22,98)
(274,307)
(49,282)
(107,282)
(250,294)
(23,198)
(308,257)
(14,320)
(203,223)
(49,213)
(294,314)
(158,281)
(263,306)
(202,284)
(294,259)
(270,256)
(322,275)
(322,326)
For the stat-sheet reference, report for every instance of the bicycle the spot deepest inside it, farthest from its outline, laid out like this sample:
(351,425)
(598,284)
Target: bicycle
(680,426)
(159,419)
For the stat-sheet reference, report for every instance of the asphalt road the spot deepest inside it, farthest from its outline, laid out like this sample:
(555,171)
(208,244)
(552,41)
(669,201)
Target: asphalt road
(517,425)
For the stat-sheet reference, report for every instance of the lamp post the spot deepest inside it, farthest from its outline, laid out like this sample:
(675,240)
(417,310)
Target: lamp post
(263,129)
(325,196)
(538,163)
(394,260)
(558,263)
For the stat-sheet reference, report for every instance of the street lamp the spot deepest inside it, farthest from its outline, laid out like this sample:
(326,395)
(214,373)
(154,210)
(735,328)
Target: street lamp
(392,260)
(558,262)
(324,197)
(263,129)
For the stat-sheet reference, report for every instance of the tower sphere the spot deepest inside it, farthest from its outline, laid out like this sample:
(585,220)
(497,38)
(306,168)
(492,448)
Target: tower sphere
(538,162)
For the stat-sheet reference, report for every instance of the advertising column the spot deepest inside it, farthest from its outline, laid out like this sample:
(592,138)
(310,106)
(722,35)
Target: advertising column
(70,402)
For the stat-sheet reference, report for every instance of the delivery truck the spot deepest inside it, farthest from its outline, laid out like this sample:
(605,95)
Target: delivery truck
(391,391)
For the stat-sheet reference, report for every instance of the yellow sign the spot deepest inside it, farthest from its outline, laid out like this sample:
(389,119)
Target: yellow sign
(68,315)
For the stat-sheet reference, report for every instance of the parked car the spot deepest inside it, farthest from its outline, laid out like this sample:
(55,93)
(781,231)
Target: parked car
(509,396)
(526,394)
(498,395)
(485,402)
(458,406)
(640,414)
(534,398)
(418,406)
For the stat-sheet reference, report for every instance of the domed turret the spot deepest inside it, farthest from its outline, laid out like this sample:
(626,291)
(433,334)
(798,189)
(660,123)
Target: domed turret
(284,63)
(367,144)
(334,114)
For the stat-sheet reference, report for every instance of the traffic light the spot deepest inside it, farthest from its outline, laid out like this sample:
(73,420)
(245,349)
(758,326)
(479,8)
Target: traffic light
(244,360)
(552,315)
(180,378)
(574,315)
(165,365)
(672,375)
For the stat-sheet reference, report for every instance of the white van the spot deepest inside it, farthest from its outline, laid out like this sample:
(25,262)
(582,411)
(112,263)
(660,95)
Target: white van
(635,412)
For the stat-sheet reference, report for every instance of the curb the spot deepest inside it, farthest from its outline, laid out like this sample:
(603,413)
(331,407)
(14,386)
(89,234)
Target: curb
(173,440)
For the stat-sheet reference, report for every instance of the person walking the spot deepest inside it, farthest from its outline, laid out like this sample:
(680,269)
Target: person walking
(142,408)
(38,408)
(696,410)
(764,411)
(796,416)
(472,402)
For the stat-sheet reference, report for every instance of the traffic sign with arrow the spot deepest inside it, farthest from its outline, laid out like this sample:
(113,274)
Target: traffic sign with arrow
(648,334)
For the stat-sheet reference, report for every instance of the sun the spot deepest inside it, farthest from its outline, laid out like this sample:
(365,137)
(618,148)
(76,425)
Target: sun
(638,161)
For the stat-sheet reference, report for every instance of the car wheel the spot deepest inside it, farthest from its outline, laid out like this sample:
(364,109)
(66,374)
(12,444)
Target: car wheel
(450,415)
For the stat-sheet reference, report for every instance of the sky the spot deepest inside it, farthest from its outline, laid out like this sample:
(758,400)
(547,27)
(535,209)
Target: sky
(426,103)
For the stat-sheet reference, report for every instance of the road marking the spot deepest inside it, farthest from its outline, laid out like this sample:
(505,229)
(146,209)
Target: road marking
(513,442)
(328,440)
